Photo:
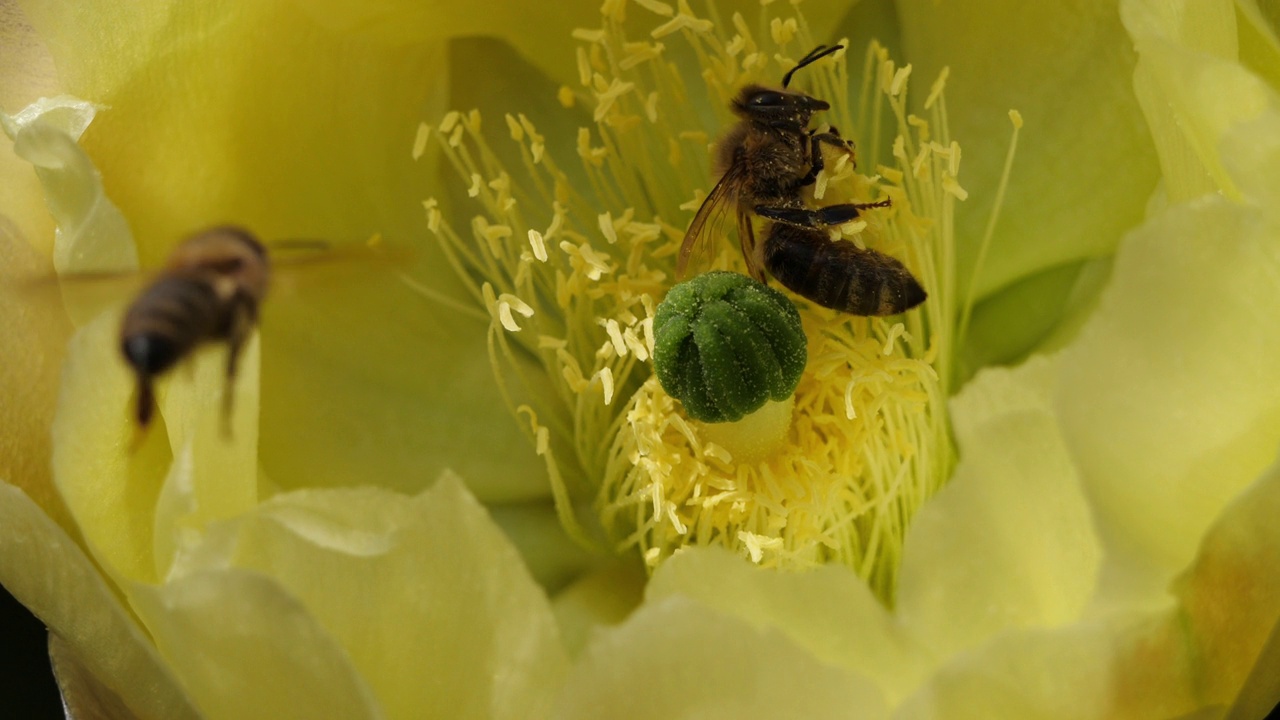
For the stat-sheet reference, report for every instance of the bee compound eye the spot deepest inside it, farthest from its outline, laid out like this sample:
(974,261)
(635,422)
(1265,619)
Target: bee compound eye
(149,353)
(767,98)
(725,344)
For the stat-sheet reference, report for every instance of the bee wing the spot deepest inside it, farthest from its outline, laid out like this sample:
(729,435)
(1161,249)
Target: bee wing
(303,264)
(299,252)
(700,237)
(747,239)
(83,295)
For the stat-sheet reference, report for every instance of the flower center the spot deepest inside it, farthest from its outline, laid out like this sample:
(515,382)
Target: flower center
(571,273)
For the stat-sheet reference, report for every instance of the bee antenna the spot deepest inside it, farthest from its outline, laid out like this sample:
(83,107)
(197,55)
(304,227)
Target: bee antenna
(814,55)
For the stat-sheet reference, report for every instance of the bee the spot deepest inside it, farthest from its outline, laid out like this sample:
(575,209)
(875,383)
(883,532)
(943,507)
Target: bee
(210,291)
(768,159)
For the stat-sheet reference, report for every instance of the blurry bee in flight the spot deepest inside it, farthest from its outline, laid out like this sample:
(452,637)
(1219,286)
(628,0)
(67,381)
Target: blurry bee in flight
(768,158)
(209,291)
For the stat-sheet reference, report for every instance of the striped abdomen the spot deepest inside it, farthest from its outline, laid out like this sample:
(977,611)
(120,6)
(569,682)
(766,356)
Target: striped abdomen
(839,275)
(165,323)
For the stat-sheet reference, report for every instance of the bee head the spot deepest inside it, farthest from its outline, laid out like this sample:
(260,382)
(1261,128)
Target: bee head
(780,109)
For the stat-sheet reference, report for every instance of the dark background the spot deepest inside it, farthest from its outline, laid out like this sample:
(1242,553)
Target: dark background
(27,689)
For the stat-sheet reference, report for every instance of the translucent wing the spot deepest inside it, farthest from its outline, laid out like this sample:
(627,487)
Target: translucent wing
(303,265)
(747,240)
(83,295)
(700,238)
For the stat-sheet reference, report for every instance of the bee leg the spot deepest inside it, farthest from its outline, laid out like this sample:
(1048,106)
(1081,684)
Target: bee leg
(241,327)
(821,217)
(832,137)
(815,154)
(146,400)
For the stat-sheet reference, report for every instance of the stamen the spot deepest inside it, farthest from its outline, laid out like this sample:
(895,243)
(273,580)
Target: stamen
(831,475)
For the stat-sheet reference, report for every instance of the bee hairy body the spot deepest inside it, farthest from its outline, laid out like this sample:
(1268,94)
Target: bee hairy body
(766,162)
(209,292)
(839,275)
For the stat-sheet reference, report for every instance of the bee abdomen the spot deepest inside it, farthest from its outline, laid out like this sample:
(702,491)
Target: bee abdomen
(167,321)
(839,275)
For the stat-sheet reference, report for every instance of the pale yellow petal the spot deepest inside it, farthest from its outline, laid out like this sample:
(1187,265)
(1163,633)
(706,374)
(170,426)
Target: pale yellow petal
(530,27)
(108,472)
(36,332)
(364,381)
(679,660)
(1009,543)
(1192,89)
(245,648)
(1231,601)
(598,599)
(550,555)
(260,114)
(1122,667)
(93,238)
(1214,651)
(214,474)
(1168,398)
(427,598)
(1085,166)
(46,571)
(1259,44)
(829,611)
(26,74)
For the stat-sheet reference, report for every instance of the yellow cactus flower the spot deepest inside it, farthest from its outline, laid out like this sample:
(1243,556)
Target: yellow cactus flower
(1047,492)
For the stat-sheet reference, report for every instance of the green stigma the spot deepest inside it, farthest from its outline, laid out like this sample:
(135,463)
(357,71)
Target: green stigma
(725,344)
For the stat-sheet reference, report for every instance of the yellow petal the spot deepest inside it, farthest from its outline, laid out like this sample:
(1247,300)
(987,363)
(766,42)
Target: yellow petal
(365,381)
(258,114)
(1084,168)
(245,648)
(527,27)
(35,337)
(425,595)
(1191,89)
(550,555)
(26,73)
(677,659)
(214,474)
(109,477)
(1231,601)
(1259,45)
(44,569)
(1009,543)
(829,612)
(1120,667)
(600,598)
(1167,398)
(1214,651)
